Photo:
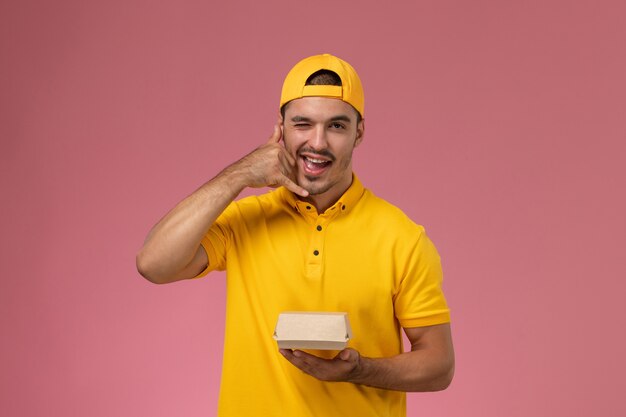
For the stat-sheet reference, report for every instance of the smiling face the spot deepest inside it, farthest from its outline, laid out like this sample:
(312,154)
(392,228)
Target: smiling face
(321,134)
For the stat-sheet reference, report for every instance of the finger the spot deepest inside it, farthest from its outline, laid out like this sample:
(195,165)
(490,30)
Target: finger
(287,168)
(295,353)
(285,160)
(290,159)
(296,359)
(293,187)
(288,354)
(276,135)
(310,364)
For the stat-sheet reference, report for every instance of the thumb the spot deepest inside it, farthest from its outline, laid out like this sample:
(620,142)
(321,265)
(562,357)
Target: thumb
(347,354)
(276,135)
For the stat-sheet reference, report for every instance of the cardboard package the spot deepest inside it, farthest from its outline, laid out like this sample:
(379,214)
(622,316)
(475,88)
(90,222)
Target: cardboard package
(312,330)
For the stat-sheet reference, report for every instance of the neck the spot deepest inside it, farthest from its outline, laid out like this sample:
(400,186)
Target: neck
(327,199)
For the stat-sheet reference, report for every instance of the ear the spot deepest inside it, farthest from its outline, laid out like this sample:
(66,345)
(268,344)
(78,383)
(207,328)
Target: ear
(360,131)
(280,123)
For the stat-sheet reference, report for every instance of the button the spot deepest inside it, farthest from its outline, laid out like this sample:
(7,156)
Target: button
(319,228)
(316,252)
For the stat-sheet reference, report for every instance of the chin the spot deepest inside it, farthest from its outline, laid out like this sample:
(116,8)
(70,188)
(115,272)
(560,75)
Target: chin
(316,187)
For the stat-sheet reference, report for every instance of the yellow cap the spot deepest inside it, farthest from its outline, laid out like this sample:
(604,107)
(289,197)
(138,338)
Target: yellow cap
(350,91)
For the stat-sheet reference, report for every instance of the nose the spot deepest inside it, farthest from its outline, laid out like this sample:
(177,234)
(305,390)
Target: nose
(318,139)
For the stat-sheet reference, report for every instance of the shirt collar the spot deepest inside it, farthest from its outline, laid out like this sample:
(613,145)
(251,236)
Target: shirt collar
(344,204)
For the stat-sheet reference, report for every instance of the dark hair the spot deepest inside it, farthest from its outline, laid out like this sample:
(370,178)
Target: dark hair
(322,77)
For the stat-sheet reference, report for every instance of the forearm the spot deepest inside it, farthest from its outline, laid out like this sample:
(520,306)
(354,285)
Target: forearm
(417,370)
(173,242)
(429,366)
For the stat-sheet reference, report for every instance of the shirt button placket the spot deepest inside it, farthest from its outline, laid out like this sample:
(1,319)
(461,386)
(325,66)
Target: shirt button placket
(318,240)
(316,260)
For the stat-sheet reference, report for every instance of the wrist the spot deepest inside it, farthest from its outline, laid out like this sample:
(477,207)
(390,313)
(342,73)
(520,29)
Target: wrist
(234,178)
(363,371)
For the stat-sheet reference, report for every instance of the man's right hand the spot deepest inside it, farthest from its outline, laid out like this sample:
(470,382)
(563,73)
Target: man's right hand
(270,165)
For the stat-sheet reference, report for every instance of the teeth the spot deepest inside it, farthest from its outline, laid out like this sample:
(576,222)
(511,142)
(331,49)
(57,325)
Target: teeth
(315,161)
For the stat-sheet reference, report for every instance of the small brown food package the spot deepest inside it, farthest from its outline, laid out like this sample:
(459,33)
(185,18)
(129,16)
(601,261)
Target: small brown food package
(312,330)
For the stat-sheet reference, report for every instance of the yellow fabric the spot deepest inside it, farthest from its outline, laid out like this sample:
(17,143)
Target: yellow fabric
(373,262)
(351,90)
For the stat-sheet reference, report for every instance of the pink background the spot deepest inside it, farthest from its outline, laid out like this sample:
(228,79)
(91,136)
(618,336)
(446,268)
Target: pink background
(499,125)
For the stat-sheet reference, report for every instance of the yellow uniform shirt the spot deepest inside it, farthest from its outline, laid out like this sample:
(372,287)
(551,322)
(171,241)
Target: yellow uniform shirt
(362,256)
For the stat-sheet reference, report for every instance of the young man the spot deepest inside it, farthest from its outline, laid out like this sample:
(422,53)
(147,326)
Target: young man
(319,242)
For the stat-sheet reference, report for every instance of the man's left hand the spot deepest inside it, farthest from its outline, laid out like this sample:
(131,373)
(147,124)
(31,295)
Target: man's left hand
(343,367)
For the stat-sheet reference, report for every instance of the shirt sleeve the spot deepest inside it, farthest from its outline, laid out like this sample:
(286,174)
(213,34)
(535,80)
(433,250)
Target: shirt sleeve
(217,240)
(419,300)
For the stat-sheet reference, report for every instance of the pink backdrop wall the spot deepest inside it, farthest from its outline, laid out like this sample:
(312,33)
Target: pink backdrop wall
(499,125)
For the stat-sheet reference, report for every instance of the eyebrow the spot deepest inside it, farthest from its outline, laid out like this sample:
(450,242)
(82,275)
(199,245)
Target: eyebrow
(338,118)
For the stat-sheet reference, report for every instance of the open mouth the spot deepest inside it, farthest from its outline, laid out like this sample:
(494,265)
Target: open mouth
(315,165)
